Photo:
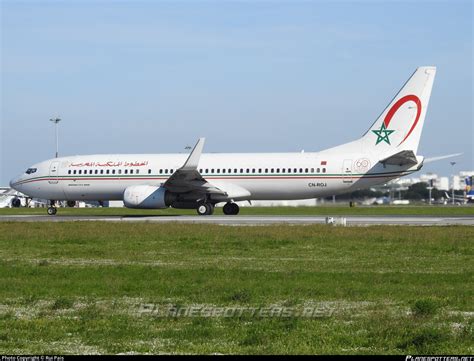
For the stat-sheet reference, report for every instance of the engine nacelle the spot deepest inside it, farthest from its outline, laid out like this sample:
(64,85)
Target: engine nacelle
(147,197)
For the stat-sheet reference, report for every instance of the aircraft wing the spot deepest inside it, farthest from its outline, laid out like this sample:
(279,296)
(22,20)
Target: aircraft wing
(405,157)
(188,179)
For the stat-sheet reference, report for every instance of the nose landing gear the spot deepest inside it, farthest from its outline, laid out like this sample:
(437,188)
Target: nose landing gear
(52,210)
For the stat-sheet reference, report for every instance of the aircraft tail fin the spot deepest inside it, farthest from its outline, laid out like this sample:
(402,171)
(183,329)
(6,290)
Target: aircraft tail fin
(399,126)
(469,188)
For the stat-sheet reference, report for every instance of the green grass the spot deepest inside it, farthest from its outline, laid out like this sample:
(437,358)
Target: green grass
(439,210)
(78,287)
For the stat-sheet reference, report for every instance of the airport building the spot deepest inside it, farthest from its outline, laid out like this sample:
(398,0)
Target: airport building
(443,183)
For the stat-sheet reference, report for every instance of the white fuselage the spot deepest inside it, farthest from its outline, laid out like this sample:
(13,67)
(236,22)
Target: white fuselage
(264,175)
(387,150)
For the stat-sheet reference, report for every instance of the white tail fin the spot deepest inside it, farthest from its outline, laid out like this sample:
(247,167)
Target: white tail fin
(399,126)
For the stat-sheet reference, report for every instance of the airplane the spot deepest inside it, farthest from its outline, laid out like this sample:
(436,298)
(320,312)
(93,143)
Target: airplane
(387,150)
(468,193)
(11,199)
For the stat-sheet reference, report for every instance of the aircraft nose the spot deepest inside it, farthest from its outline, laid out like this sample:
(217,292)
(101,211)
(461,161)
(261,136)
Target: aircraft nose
(13,183)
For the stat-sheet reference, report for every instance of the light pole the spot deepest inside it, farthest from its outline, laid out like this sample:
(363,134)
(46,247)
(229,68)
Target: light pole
(452,165)
(56,121)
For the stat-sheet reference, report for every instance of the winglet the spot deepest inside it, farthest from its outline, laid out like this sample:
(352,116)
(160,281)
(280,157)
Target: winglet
(193,159)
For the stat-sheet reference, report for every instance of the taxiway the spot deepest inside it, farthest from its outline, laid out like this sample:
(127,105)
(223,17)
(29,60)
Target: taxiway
(255,220)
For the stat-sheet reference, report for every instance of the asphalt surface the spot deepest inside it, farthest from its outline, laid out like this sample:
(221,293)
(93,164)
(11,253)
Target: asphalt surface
(256,220)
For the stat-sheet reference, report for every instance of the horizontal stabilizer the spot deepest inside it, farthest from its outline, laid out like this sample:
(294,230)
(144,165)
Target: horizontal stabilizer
(405,157)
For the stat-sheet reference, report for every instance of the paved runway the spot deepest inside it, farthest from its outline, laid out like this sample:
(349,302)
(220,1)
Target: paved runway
(256,220)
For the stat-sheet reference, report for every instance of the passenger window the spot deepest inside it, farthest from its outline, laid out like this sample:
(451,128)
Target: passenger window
(312,170)
(318,170)
(212,171)
(113,171)
(278,170)
(272,170)
(149,171)
(241,170)
(69,171)
(259,170)
(324,170)
(253,170)
(218,170)
(107,171)
(137,171)
(306,170)
(207,171)
(96,171)
(74,171)
(101,171)
(301,170)
(248,170)
(229,171)
(80,171)
(266,170)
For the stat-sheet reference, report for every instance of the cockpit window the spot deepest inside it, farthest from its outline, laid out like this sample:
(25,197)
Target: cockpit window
(31,170)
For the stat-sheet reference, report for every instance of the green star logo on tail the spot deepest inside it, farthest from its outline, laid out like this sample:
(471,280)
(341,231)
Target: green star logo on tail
(383,134)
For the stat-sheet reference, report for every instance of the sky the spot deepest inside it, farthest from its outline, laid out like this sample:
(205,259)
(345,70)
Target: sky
(270,76)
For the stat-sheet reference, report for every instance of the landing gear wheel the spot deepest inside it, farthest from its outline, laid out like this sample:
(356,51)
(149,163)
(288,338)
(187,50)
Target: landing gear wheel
(231,209)
(205,209)
(71,204)
(52,211)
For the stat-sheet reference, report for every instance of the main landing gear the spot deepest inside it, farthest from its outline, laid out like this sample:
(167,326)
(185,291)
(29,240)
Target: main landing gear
(205,209)
(231,209)
(52,210)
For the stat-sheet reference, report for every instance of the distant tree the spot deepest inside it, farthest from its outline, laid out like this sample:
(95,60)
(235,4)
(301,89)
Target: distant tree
(359,194)
(420,191)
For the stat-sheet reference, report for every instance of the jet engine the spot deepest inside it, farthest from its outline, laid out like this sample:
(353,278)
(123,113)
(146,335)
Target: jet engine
(147,197)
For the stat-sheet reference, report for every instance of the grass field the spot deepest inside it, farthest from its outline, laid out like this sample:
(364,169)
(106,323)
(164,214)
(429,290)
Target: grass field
(79,287)
(439,210)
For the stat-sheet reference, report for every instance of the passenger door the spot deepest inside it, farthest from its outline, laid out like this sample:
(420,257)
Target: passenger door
(53,172)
